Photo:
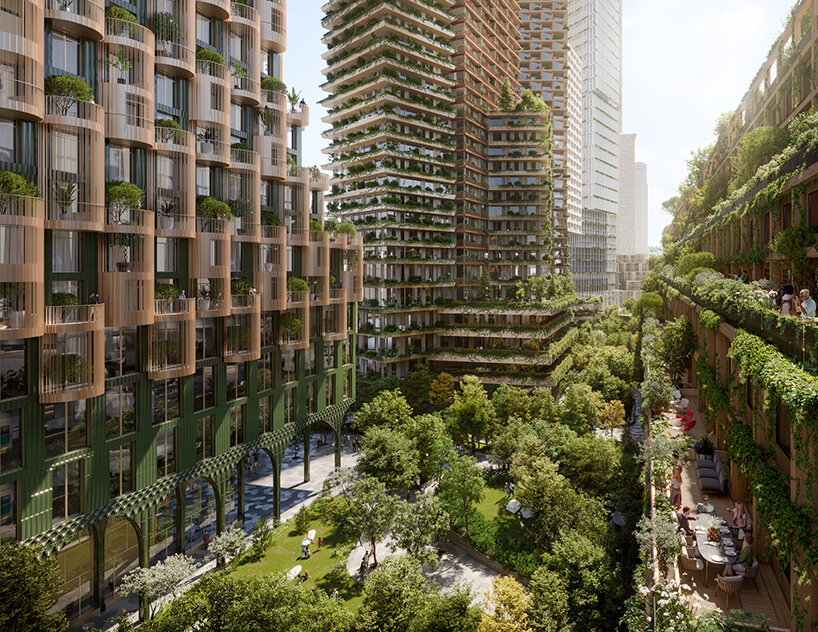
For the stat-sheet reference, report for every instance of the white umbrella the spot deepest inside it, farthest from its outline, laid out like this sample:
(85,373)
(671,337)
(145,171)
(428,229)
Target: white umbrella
(513,506)
(306,542)
(525,513)
(294,572)
(311,534)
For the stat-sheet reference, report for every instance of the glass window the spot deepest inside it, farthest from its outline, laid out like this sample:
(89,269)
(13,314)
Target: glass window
(65,53)
(205,394)
(65,427)
(165,452)
(330,356)
(11,440)
(166,400)
(236,117)
(65,251)
(121,351)
(165,92)
(265,414)
(8,512)
(12,368)
(119,163)
(166,254)
(120,471)
(66,491)
(236,380)
(236,426)
(202,180)
(120,410)
(265,371)
(7,141)
(205,338)
(203,28)
(204,438)
(288,365)
(165,179)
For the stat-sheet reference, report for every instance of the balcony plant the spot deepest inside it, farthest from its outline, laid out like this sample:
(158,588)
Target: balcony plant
(239,287)
(207,55)
(291,324)
(13,185)
(212,208)
(347,228)
(267,120)
(171,130)
(704,447)
(66,368)
(67,91)
(273,84)
(167,31)
(125,22)
(123,200)
(121,62)
(241,209)
(166,292)
(294,98)
(238,72)
(166,213)
(64,197)
(203,304)
(269,218)
(296,284)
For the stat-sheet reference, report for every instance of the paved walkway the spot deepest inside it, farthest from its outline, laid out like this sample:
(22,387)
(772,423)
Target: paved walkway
(258,502)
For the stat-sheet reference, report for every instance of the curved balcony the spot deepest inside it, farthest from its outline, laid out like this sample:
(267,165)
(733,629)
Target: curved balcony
(173,339)
(246,90)
(175,39)
(242,335)
(299,117)
(21,61)
(82,18)
(128,273)
(272,156)
(210,264)
(210,106)
(294,327)
(334,323)
(273,24)
(243,230)
(74,147)
(21,257)
(176,161)
(219,9)
(296,299)
(244,160)
(73,353)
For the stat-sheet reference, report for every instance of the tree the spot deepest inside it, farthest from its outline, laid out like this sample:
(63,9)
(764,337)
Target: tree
(530,102)
(548,610)
(366,393)
(582,567)
(508,100)
(390,457)
(447,612)
(386,408)
(511,401)
(229,543)
(543,406)
(471,415)
(461,486)
(27,586)
(676,346)
(580,408)
(261,538)
(415,389)
(420,526)
(756,148)
(657,391)
(162,579)
(441,391)
(432,442)
(590,463)
(506,441)
(507,601)
(612,416)
(392,596)
(372,512)
(649,305)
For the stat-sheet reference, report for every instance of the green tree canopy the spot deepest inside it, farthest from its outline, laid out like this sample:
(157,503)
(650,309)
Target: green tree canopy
(471,416)
(386,408)
(507,602)
(27,586)
(447,612)
(548,610)
(441,391)
(508,100)
(676,346)
(392,596)
(390,457)
(579,410)
(461,486)
(372,511)
(415,389)
(511,401)
(431,441)
(756,148)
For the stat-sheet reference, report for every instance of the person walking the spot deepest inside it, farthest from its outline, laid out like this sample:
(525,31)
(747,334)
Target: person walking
(511,489)
(303,553)
(320,542)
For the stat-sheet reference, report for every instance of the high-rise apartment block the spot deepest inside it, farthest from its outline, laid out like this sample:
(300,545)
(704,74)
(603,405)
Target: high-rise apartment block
(169,301)
(596,36)
(631,220)
(448,190)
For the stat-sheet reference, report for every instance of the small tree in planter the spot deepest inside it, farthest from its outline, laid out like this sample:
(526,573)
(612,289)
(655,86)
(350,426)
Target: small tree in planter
(704,447)
(13,185)
(167,32)
(64,197)
(207,55)
(171,130)
(239,72)
(294,98)
(239,286)
(347,228)
(204,298)
(212,208)
(166,292)
(68,91)
(273,84)
(296,284)
(291,324)
(121,62)
(122,198)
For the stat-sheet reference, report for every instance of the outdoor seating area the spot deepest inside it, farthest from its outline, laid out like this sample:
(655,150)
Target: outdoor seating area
(705,556)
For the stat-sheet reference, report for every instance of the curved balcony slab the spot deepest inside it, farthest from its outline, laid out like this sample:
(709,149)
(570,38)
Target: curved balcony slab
(21,61)
(272,156)
(219,9)
(299,117)
(212,152)
(210,260)
(173,339)
(175,40)
(273,24)
(296,339)
(82,18)
(242,336)
(243,231)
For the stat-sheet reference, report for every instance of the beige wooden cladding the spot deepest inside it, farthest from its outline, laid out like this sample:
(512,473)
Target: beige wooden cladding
(21,60)
(173,339)
(245,23)
(272,273)
(21,267)
(126,86)
(244,184)
(128,272)
(273,24)
(210,109)
(73,353)
(273,156)
(299,116)
(301,339)
(172,194)
(334,322)
(177,58)
(74,149)
(210,265)
(242,340)
(317,267)
(83,18)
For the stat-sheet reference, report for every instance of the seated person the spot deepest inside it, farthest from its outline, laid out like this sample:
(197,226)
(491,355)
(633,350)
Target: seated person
(684,518)
(745,558)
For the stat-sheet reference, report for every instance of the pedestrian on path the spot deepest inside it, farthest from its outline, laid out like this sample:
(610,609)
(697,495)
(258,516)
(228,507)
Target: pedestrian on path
(303,552)
(511,490)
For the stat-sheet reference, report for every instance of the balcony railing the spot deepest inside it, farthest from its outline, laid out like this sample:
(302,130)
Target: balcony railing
(57,315)
(173,306)
(245,301)
(82,113)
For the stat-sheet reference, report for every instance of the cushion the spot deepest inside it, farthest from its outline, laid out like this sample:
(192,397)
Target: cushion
(706,466)
(733,579)
(707,484)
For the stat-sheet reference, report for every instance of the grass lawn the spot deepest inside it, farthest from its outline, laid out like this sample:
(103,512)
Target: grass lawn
(324,569)
(493,507)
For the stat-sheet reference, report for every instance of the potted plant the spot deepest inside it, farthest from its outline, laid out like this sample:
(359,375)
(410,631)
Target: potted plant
(65,299)
(167,213)
(203,303)
(122,200)
(207,55)
(273,84)
(12,304)
(239,73)
(212,208)
(294,98)
(65,196)
(171,130)
(215,293)
(239,286)
(166,292)
(205,138)
(121,62)
(704,448)
(167,32)
(67,91)
(291,324)
(120,245)
(296,284)
(13,185)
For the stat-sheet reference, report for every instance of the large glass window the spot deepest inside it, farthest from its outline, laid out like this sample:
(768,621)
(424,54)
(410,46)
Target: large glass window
(120,410)
(203,25)
(288,372)
(65,251)
(11,440)
(120,464)
(165,452)
(120,351)
(165,92)
(265,414)
(236,426)
(166,400)
(204,438)
(65,427)
(236,380)
(204,388)
(12,368)
(65,152)
(66,491)
(7,138)
(265,371)
(205,338)
(119,163)
(166,254)
(65,52)
(8,512)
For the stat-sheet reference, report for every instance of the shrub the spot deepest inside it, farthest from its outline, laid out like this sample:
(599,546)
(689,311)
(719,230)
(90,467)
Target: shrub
(291,324)
(123,196)
(704,446)
(165,27)
(14,184)
(164,291)
(207,206)
(347,228)
(239,286)
(118,13)
(205,54)
(315,227)
(64,298)
(71,87)
(273,84)
(296,284)
(239,146)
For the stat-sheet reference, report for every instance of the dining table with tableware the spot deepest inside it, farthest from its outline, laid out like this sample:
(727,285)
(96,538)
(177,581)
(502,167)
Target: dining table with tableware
(715,543)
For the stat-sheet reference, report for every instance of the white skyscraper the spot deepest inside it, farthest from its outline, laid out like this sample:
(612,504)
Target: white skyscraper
(632,219)
(596,36)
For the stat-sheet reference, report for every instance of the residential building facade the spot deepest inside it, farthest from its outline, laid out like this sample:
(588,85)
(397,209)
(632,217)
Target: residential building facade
(152,334)
(595,33)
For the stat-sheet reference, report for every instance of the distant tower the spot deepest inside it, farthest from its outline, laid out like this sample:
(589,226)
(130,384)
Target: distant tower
(632,220)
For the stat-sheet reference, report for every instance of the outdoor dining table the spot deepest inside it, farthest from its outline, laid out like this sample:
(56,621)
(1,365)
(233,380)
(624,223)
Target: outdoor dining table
(714,552)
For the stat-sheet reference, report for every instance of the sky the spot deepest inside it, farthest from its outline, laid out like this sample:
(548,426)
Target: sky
(684,63)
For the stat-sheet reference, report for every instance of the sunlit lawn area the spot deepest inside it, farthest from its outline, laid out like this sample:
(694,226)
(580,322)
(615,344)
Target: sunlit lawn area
(326,572)
(493,507)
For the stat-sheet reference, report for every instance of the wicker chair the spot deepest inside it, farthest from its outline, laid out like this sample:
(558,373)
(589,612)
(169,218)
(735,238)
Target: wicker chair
(690,562)
(729,586)
(752,573)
